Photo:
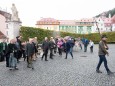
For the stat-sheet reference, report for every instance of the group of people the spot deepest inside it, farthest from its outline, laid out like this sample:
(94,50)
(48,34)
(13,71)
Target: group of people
(59,44)
(13,51)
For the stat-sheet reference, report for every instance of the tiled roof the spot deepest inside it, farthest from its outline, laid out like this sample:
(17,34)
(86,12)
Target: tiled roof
(2,35)
(5,14)
(47,21)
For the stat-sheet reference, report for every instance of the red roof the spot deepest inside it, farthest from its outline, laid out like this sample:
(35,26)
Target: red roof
(48,21)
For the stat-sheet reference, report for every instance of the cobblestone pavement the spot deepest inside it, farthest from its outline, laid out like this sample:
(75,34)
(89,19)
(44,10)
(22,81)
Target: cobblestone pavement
(79,71)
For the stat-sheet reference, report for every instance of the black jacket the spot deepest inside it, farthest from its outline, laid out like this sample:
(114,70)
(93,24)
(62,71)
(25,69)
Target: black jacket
(45,45)
(30,49)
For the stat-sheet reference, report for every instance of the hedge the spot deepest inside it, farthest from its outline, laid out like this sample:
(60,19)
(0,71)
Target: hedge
(31,32)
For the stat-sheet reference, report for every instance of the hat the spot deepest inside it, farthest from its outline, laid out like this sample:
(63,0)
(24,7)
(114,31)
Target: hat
(103,36)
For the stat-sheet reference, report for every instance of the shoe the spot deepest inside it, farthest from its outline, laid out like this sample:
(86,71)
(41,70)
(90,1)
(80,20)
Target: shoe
(98,71)
(65,58)
(51,58)
(46,60)
(109,73)
(32,68)
(16,68)
(28,66)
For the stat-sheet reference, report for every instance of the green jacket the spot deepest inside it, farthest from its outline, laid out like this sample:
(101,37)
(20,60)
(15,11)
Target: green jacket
(1,47)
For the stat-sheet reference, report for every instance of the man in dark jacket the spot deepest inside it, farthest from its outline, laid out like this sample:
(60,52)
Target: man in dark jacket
(30,50)
(19,47)
(102,52)
(68,46)
(45,47)
(51,47)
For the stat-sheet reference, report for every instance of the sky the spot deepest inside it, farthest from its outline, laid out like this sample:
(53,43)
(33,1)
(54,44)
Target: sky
(30,11)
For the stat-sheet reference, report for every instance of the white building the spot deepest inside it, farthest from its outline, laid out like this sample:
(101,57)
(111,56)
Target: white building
(10,28)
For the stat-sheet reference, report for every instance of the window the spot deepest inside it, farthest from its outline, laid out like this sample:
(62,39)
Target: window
(6,26)
(7,33)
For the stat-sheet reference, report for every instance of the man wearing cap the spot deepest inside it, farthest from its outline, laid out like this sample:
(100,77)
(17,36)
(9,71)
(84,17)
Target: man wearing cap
(102,52)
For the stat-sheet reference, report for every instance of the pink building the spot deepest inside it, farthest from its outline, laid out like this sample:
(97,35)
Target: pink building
(4,16)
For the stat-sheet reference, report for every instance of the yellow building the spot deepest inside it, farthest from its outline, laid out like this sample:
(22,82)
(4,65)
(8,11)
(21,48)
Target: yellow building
(48,23)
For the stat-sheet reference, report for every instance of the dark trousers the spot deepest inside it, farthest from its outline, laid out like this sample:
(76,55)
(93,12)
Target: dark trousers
(69,51)
(60,51)
(7,60)
(19,54)
(80,46)
(45,52)
(91,49)
(85,48)
(51,53)
(1,57)
(55,50)
(102,58)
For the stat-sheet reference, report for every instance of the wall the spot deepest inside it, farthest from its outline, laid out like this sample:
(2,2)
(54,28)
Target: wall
(3,25)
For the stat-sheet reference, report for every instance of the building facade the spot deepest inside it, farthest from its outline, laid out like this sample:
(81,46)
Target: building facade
(82,26)
(9,27)
(68,26)
(48,24)
(4,26)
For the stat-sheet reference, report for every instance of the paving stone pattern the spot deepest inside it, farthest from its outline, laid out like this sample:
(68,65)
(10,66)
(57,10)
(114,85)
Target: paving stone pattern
(79,71)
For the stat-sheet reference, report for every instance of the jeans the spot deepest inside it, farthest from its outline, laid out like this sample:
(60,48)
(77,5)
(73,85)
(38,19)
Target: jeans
(69,51)
(85,48)
(12,61)
(102,58)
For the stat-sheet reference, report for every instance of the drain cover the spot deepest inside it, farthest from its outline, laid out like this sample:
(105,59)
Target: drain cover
(83,56)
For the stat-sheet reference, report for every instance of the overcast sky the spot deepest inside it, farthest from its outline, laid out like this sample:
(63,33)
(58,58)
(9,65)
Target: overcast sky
(32,10)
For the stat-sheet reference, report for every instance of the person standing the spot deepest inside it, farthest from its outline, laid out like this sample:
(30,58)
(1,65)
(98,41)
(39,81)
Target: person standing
(3,49)
(68,48)
(85,43)
(102,55)
(91,46)
(19,47)
(23,50)
(45,47)
(80,42)
(60,45)
(12,52)
(30,50)
(51,47)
